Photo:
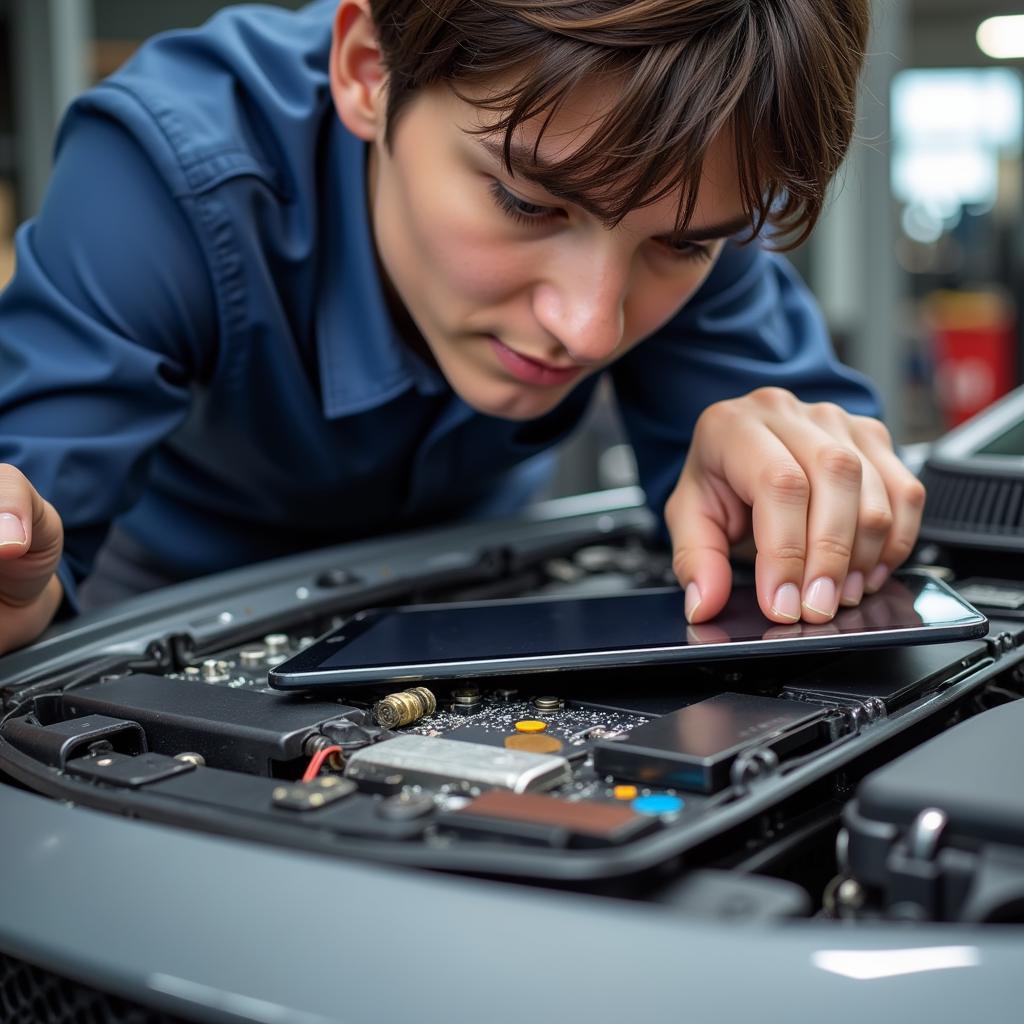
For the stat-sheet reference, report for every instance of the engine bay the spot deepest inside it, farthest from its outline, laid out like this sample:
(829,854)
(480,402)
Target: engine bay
(729,789)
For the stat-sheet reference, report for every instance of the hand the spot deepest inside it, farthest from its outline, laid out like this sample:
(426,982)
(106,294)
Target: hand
(831,508)
(31,542)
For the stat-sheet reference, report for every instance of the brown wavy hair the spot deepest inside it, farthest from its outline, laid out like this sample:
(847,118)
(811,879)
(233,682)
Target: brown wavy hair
(780,75)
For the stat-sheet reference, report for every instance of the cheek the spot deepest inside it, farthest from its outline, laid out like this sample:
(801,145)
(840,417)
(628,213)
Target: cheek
(453,237)
(660,298)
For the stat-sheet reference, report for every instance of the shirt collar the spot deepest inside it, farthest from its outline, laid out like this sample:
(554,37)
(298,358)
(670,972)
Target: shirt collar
(363,361)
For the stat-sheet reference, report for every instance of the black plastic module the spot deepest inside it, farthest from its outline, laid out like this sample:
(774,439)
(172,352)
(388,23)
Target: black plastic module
(694,748)
(242,730)
(893,675)
(940,830)
(57,743)
(132,772)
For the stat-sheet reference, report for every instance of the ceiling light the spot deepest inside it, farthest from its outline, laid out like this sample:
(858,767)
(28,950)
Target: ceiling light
(1002,38)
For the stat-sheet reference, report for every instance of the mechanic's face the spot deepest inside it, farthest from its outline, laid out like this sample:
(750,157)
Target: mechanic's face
(520,295)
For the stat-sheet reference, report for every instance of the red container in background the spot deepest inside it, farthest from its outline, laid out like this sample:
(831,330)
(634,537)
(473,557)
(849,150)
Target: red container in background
(973,342)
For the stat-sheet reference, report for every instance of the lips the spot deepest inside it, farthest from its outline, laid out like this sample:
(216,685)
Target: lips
(532,371)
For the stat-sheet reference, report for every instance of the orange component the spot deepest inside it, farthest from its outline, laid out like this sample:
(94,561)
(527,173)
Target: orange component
(534,742)
(530,725)
(625,792)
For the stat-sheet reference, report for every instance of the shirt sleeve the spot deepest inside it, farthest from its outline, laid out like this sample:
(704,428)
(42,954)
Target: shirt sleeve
(109,322)
(753,323)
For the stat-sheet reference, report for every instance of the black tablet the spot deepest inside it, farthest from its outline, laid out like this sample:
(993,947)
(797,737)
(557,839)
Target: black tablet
(465,640)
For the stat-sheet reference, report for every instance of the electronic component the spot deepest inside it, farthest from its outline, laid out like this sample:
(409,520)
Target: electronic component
(252,655)
(276,643)
(243,730)
(129,771)
(59,742)
(309,796)
(536,743)
(548,703)
(405,807)
(658,804)
(549,821)
(467,699)
(404,708)
(895,678)
(993,594)
(434,762)
(351,731)
(214,670)
(694,748)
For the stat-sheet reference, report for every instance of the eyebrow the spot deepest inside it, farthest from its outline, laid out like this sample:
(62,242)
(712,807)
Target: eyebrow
(537,169)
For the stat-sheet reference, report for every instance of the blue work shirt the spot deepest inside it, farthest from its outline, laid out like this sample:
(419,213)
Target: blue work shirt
(196,342)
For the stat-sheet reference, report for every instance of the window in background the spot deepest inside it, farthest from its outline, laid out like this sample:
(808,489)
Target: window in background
(956,176)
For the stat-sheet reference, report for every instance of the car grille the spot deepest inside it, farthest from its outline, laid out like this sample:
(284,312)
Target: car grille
(31,995)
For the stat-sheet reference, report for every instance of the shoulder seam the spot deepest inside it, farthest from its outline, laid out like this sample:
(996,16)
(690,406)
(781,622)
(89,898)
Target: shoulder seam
(203,170)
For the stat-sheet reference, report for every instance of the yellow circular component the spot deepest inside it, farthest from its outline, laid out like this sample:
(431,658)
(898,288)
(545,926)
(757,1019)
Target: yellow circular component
(530,725)
(533,743)
(625,792)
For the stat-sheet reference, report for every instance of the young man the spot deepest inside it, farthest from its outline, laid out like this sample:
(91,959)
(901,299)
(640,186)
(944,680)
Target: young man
(302,278)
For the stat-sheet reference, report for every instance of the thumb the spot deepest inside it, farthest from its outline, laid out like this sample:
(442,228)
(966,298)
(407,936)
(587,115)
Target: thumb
(31,539)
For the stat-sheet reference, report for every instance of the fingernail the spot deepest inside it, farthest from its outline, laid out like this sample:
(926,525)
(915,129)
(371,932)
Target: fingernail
(692,600)
(853,589)
(787,602)
(820,597)
(876,578)
(11,530)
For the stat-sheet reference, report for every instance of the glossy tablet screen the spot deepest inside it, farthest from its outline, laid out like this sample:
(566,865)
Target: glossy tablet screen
(444,641)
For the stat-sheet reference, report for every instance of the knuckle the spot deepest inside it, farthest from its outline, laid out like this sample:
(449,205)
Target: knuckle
(913,493)
(834,548)
(786,482)
(875,429)
(716,416)
(773,397)
(898,551)
(875,522)
(829,412)
(841,464)
(900,545)
(788,552)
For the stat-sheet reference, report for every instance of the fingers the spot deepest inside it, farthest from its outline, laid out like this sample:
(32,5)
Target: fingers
(832,509)
(701,520)
(705,515)
(906,495)
(805,546)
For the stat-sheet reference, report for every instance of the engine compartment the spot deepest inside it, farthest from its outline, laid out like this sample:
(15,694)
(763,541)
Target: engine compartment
(531,782)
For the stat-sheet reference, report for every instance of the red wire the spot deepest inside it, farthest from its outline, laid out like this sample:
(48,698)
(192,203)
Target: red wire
(316,762)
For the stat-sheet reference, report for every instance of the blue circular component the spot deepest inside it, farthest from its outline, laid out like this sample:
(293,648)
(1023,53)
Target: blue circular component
(660,803)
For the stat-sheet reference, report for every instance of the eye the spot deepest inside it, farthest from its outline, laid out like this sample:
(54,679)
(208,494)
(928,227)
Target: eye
(519,209)
(684,249)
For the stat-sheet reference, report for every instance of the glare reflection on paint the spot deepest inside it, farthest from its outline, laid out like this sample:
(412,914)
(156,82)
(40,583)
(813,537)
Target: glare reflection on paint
(870,964)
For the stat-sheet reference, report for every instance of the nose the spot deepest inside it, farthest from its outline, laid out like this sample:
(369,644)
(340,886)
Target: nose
(581,302)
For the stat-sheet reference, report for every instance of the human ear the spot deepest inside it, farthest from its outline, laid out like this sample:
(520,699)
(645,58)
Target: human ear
(357,73)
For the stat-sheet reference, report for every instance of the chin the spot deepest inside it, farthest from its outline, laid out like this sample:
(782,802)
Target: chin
(511,402)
